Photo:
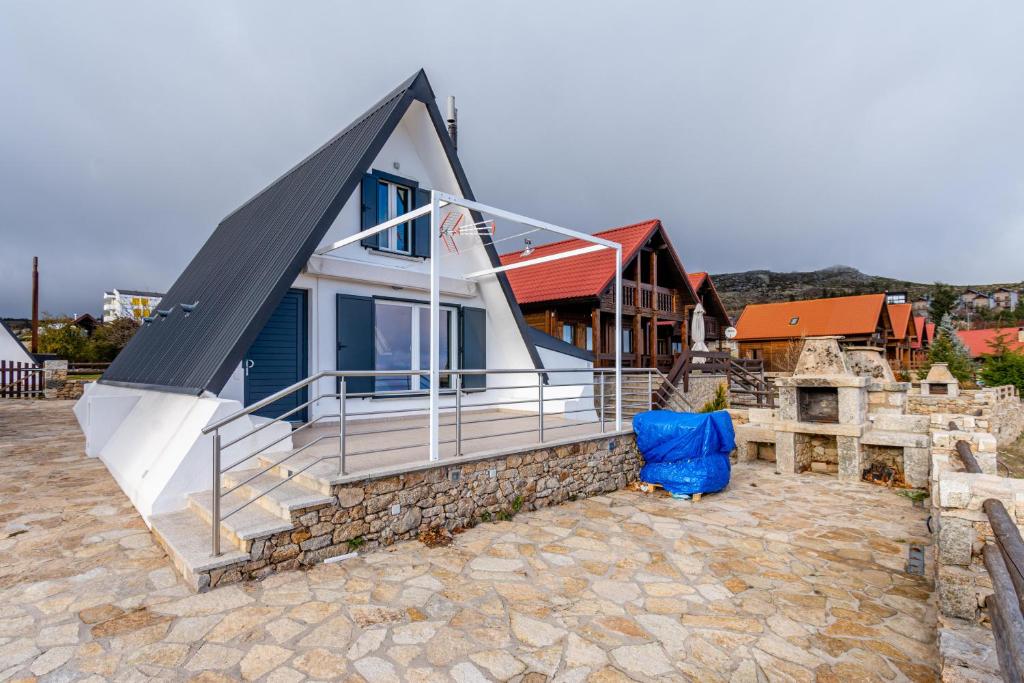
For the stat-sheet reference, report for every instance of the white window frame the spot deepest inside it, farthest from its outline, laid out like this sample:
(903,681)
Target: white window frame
(454,343)
(389,238)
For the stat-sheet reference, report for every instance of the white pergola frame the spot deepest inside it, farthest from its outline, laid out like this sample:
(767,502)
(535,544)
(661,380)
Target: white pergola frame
(440,199)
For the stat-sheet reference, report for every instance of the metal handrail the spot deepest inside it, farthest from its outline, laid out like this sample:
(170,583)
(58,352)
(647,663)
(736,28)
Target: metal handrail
(273,398)
(456,376)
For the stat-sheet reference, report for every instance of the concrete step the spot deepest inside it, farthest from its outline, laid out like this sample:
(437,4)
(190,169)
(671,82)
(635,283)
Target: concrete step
(317,478)
(274,494)
(187,540)
(243,527)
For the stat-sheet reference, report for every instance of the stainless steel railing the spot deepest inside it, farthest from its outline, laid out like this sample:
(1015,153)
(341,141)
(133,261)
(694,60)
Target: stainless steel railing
(595,394)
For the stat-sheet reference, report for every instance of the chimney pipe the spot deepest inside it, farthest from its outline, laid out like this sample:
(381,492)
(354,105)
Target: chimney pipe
(35,304)
(453,122)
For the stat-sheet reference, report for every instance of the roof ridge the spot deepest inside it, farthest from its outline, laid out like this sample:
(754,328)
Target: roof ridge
(823,298)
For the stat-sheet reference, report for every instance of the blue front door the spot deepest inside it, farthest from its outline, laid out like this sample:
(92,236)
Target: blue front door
(278,358)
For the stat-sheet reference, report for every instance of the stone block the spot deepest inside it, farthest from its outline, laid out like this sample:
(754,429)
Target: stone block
(901,423)
(878,437)
(785,453)
(955,490)
(956,540)
(957,592)
(853,405)
(916,462)
(984,443)
(850,461)
(350,496)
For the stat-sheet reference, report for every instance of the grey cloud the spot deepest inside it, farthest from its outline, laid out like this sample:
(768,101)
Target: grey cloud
(786,135)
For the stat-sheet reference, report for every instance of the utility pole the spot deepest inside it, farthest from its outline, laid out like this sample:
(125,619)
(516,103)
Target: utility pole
(35,304)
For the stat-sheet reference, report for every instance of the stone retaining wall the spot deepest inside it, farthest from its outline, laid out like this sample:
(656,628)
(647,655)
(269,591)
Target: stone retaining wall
(962,530)
(70,389)
(384,509)
(994,411)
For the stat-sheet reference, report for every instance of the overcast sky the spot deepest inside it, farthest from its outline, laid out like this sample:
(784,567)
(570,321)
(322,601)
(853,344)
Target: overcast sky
(782,135)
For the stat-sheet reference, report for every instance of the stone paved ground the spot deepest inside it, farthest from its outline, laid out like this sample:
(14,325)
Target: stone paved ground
(779,578)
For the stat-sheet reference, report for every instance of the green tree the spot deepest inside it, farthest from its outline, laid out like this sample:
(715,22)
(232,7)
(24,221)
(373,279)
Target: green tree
(64,339)
(948,348)
(1004,365)
(109,338)
(944,298)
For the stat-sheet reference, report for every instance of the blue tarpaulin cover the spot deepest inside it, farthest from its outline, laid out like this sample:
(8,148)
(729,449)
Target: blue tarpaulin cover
(686,453)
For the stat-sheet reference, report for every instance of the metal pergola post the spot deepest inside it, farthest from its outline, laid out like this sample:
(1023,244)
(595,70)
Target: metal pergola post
(618,337)
(435,329)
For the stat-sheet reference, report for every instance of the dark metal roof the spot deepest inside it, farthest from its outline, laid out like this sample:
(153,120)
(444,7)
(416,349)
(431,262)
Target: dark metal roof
(546,341)
(133,292)
(243,271)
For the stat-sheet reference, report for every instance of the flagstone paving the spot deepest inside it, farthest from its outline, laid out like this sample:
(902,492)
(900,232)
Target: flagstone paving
(780,578)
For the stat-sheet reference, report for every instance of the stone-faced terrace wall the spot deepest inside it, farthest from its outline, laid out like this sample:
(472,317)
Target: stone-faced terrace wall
(962,530)
(383,509)
(996,410)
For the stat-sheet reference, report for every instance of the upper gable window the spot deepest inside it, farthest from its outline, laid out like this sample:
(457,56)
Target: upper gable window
(385,196)
(392,201)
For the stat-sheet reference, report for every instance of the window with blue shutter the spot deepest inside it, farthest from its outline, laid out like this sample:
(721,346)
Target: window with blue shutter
(473,348)
(385,196)
(421,226)
(368,215)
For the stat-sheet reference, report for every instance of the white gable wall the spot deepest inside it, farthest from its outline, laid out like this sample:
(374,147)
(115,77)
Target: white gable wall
(12,350)
(364,272)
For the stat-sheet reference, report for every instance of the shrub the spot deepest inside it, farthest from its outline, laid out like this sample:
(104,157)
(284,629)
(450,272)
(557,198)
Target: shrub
(719,402)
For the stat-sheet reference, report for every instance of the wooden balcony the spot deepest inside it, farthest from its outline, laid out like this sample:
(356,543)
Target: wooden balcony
(667,303)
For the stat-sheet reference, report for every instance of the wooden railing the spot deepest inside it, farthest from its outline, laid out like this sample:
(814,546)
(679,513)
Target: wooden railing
(21,380)
(745,376)
(1004,562)
(646,297)
(87,368)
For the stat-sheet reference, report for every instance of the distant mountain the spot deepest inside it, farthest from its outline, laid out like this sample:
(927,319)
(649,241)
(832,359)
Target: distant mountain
(766,286)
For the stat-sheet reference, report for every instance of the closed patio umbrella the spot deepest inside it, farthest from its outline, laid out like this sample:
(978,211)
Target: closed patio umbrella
(697,332)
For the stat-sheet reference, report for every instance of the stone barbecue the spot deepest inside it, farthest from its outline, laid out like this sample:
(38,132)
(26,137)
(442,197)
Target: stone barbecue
(940,382)
(842,412)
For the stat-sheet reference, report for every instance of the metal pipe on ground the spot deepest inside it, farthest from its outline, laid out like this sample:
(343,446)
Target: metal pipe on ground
(970,462)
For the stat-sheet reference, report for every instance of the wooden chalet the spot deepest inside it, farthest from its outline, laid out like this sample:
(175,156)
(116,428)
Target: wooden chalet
(899,345)
(919,349)
(574,300)
(774,333)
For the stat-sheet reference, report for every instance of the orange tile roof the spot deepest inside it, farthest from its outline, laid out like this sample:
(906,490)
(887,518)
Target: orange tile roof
(900,315)
(576,277)
(696,279)
(978,342)
(844,315)
(923,331)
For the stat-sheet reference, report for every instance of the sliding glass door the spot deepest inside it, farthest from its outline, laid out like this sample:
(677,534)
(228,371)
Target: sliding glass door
(402,342)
